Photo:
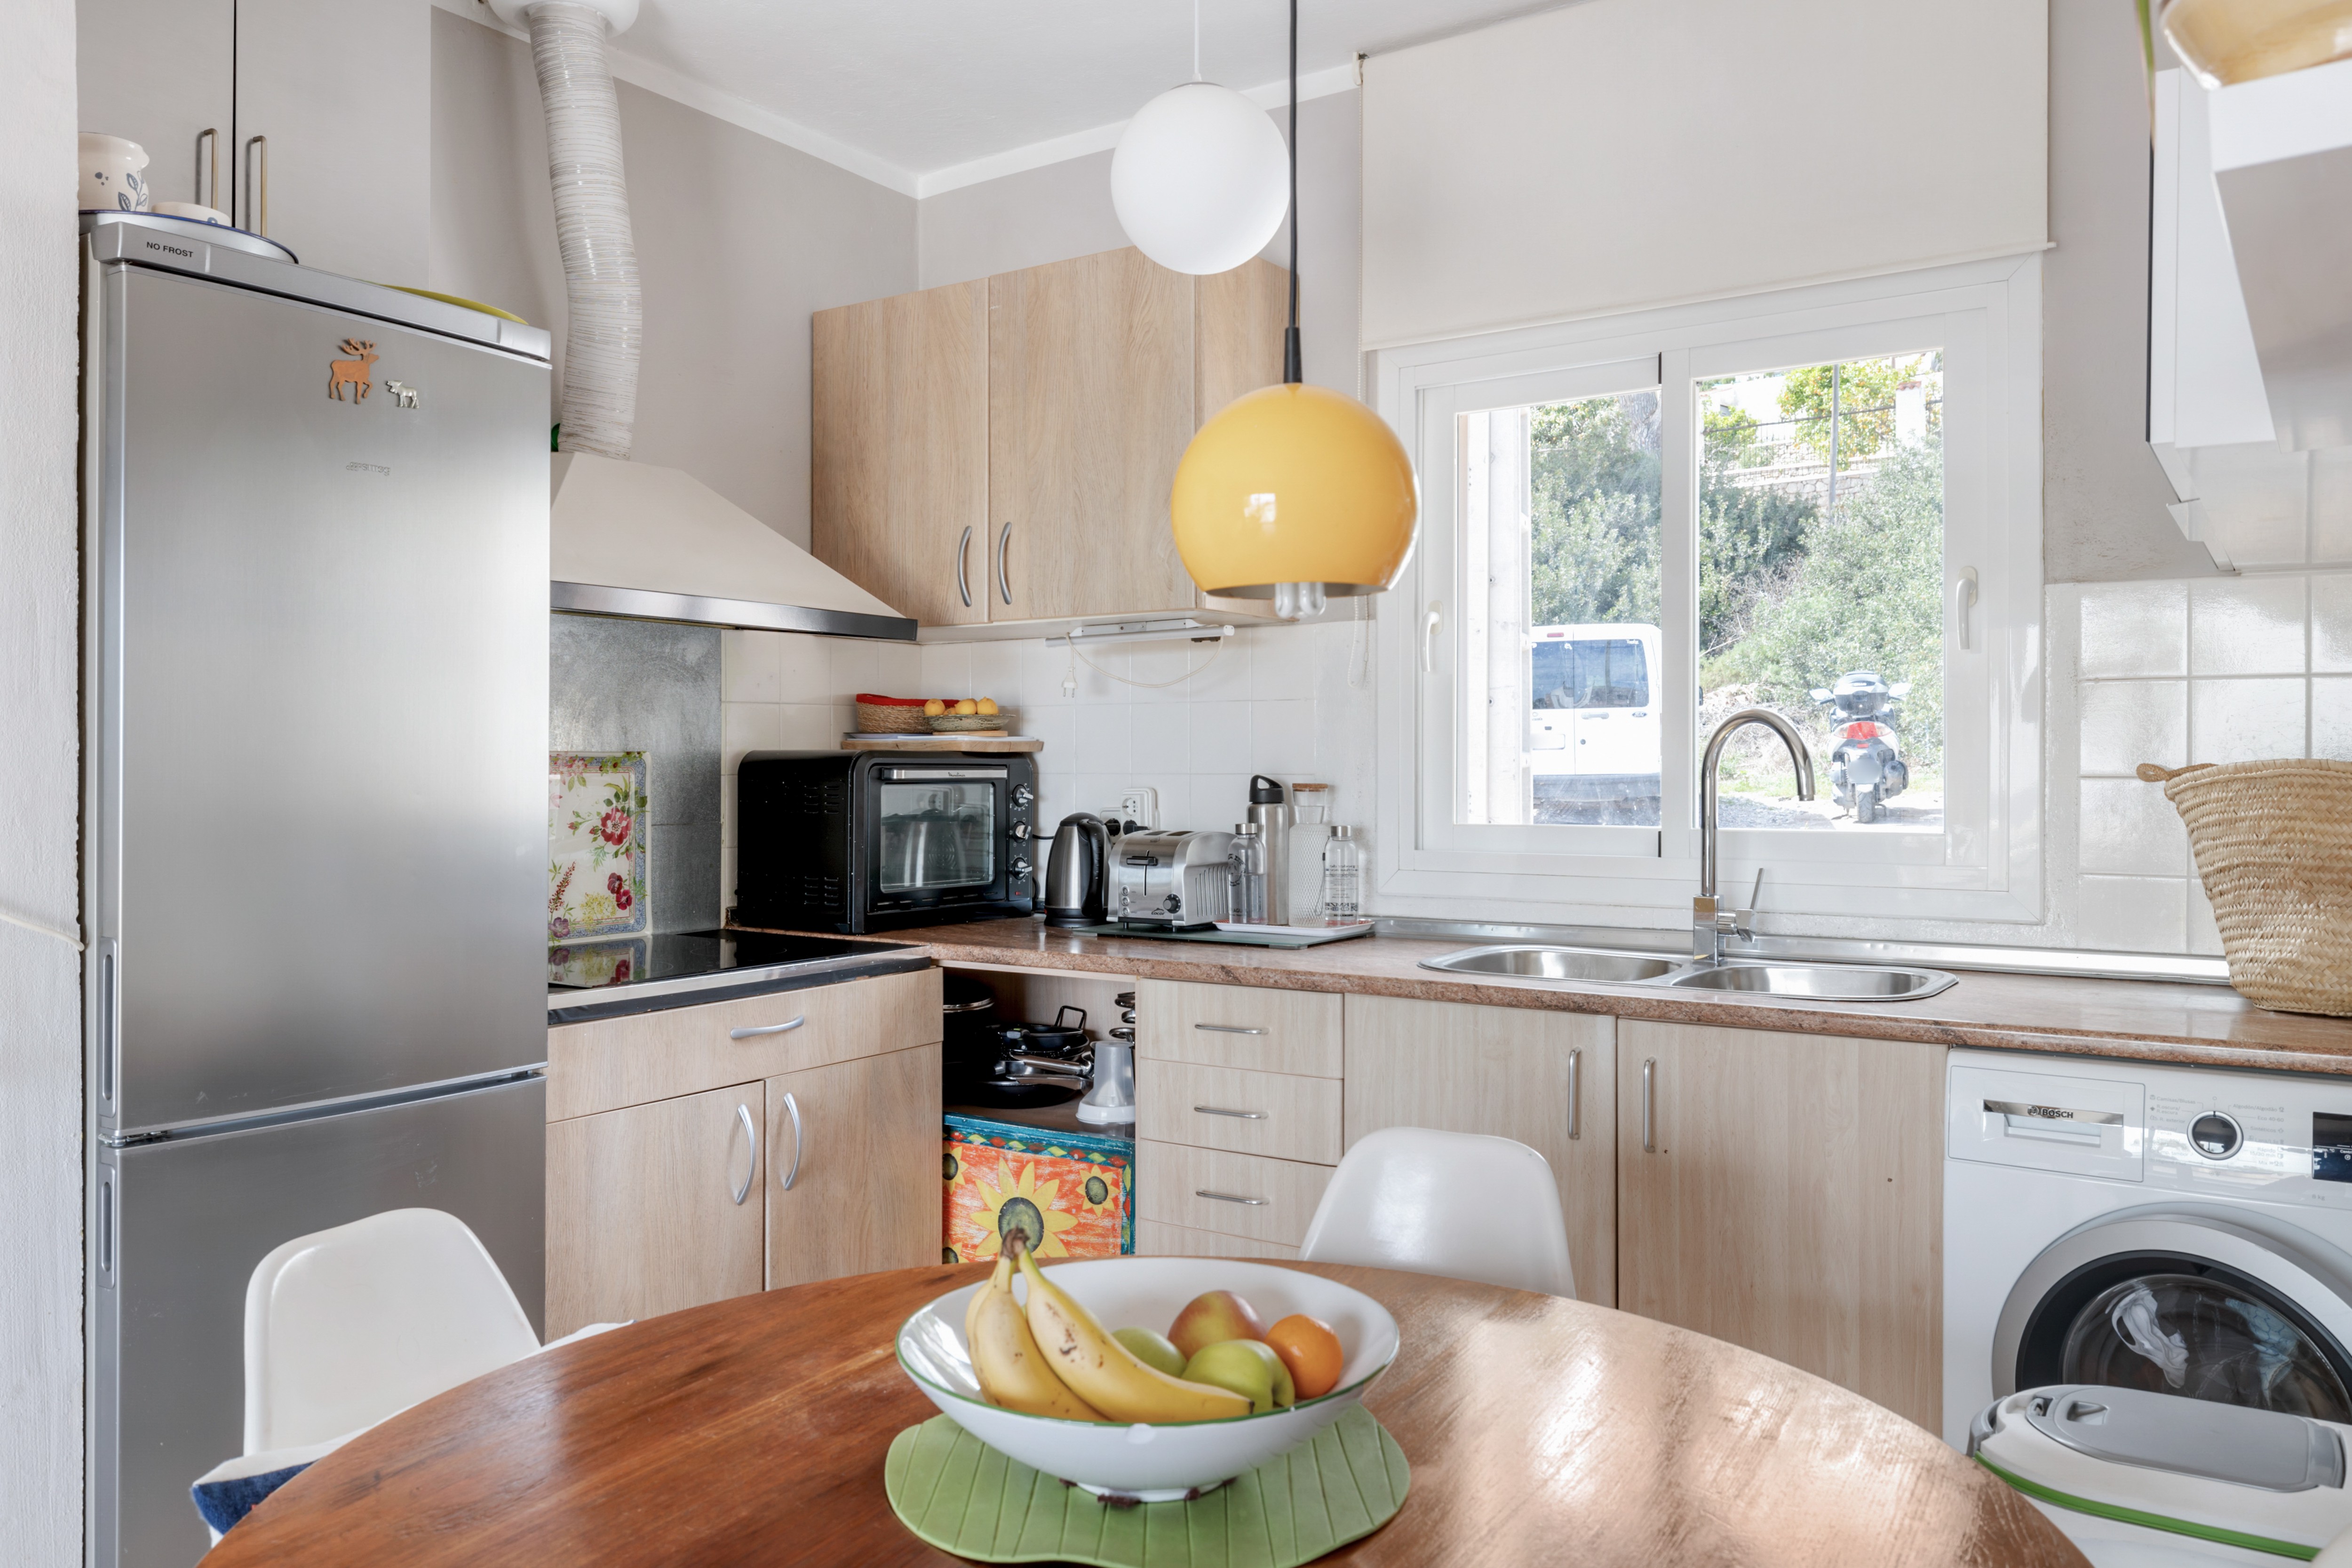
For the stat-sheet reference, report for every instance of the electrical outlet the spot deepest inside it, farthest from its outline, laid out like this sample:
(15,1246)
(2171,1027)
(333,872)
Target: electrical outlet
(1140,804)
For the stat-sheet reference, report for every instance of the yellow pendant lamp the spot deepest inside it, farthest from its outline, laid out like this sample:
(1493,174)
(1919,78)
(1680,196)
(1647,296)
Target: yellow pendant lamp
(1295,493)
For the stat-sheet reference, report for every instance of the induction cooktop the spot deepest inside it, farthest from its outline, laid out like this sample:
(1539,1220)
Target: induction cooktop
(642,971)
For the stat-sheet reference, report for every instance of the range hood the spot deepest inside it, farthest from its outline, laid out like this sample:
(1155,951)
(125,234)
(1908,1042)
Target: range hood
(654,544)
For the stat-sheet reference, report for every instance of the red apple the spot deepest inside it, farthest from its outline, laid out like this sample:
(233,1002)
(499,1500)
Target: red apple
(1211,1318)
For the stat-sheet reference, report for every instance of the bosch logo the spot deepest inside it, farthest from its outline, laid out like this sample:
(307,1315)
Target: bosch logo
(2049,1112)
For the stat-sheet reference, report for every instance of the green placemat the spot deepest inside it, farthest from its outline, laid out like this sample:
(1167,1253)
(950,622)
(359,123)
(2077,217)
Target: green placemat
(963,1496)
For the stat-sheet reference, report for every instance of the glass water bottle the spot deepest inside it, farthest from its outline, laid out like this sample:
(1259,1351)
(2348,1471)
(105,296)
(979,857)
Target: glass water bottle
(1342,900)
(1245,874)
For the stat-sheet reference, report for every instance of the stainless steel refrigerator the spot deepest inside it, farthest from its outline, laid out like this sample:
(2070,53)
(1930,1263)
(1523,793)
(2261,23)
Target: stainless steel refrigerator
(316,603)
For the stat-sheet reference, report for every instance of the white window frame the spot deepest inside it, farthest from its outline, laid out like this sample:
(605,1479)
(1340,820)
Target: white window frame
(1986,863)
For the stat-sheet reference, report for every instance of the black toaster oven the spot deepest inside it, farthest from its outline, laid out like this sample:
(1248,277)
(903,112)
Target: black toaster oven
(873,841)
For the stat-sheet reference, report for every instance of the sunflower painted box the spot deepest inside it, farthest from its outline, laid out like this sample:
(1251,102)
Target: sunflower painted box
(1073,1193)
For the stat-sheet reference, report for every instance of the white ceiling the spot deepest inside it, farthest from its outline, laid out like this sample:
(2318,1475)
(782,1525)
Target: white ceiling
(925,95)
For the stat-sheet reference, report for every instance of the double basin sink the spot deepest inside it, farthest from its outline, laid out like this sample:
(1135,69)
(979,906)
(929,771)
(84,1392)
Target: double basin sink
(1592,966)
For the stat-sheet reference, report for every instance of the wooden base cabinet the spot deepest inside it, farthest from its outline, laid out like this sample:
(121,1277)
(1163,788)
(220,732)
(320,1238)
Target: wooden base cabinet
(1544,1078)
(655,1208)
(854,1163)
(1785,1192)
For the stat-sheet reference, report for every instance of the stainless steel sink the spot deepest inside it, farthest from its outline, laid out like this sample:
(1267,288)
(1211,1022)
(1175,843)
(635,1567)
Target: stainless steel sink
(1539,962)
(1833,982)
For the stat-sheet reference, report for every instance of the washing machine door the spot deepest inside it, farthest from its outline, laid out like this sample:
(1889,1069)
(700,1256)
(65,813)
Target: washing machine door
(2209,1304)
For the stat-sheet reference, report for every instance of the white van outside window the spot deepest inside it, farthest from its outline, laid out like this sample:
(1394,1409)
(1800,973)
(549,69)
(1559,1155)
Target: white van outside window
(1594,736)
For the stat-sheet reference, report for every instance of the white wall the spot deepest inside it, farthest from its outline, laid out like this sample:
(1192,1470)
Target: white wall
(739,239)
(40,1000)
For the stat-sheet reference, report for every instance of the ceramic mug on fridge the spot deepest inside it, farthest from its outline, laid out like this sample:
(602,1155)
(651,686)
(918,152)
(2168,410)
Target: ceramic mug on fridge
(111,180)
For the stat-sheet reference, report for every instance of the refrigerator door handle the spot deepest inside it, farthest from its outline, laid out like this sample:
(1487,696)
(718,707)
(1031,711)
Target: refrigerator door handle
(106,1228)
(110,1010)
(751,1171)
(792,1110)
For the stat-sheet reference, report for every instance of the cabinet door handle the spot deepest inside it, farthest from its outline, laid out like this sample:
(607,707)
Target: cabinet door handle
(1650,1106)
(1244,1115)
(751,1171)
(208,190)
(257,190)
(1575,1094)
(1227,1029)
(767,1029)
(792,1110)
(1228,1198)
(963,564)
(1003,543)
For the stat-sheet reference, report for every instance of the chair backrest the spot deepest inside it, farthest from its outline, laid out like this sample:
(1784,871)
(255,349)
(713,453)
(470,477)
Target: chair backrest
(1456,1204)
(347,1326)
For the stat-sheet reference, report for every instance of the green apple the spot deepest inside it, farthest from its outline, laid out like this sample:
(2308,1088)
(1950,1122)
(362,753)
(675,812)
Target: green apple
(1152,1350)
(1247,1367)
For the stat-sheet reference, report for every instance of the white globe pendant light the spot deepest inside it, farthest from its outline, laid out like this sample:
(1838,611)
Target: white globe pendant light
(1199,179)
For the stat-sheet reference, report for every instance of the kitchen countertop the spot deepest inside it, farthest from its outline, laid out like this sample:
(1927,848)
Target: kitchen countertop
(2192,1025)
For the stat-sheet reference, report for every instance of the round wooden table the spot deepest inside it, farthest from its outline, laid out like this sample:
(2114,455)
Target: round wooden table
(752,1431)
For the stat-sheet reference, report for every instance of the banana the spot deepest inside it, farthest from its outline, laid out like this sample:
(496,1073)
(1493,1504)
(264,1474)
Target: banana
(1104,1372)
(1012,1373)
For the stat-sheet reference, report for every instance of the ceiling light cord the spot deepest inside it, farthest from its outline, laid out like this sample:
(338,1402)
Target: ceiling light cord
(1293,371)
(1196,41)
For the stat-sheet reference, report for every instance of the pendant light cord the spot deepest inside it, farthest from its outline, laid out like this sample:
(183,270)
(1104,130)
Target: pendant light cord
(1196,41)
(1292,371)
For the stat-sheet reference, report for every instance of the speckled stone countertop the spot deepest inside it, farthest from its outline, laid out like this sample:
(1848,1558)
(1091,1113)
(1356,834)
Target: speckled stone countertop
(2204,1026)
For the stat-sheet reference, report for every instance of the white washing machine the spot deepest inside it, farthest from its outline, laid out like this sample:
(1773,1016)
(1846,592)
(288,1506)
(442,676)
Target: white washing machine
(2178,1230)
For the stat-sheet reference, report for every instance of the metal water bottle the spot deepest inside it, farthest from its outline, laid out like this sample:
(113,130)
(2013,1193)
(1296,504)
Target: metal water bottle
(1269,808)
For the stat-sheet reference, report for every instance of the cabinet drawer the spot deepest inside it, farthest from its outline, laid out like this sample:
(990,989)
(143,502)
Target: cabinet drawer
(1154,1239)
(1281,1114)
(646,1057)
(1239,1027)
(1263,1199)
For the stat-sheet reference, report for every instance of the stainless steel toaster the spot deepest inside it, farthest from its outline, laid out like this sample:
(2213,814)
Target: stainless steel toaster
(1170,878)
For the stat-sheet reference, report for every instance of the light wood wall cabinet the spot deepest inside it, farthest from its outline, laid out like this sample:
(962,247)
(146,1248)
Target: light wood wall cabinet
(899,461)
(1543,1079)
(1003,450)
(669,1134)
(1784,1192)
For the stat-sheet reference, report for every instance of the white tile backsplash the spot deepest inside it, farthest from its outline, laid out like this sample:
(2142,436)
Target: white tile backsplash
(2247,626)
(2129,829)
(1190,721)
(2331,718)
(2127,722)
(2246,720)
(2135,629)
(2135,914)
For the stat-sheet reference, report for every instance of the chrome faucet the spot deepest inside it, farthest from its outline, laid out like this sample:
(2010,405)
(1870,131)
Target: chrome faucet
(1710,922)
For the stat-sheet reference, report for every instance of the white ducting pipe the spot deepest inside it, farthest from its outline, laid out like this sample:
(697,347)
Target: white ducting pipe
(605,305)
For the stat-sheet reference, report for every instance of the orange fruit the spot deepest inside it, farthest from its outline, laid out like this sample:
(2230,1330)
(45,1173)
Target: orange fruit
(1310,1350)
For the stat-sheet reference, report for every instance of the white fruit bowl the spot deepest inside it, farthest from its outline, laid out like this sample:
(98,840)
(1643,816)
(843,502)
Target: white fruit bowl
(1164,1462)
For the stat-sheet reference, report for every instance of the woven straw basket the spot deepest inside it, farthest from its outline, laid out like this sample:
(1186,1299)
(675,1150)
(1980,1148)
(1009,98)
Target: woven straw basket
(2274,845)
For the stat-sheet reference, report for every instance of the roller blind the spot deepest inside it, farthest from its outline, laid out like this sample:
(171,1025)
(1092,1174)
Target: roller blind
(1621,154)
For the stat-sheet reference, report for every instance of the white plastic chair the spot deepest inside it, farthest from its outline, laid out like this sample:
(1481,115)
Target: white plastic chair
(1457,1204)
(348,1326)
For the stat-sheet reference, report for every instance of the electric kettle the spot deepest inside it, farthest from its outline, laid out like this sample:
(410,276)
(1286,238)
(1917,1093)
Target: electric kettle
(1077,871)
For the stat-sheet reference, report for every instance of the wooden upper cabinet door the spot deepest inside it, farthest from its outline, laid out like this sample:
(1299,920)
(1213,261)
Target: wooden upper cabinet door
(1090,395)
(1238,321)
(1543,1079)
(643,1211)
(1790,1200)
(345,94)
(161,72)
(898,471)
(860,1143)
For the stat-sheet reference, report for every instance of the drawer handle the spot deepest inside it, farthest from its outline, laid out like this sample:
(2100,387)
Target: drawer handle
(1228,1198)
(767,1029)
(751,1171)
(1227,1029)
(1242,1115)
(792,1110)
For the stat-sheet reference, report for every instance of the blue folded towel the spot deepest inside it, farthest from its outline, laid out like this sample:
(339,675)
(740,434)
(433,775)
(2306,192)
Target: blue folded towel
(223,1502)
